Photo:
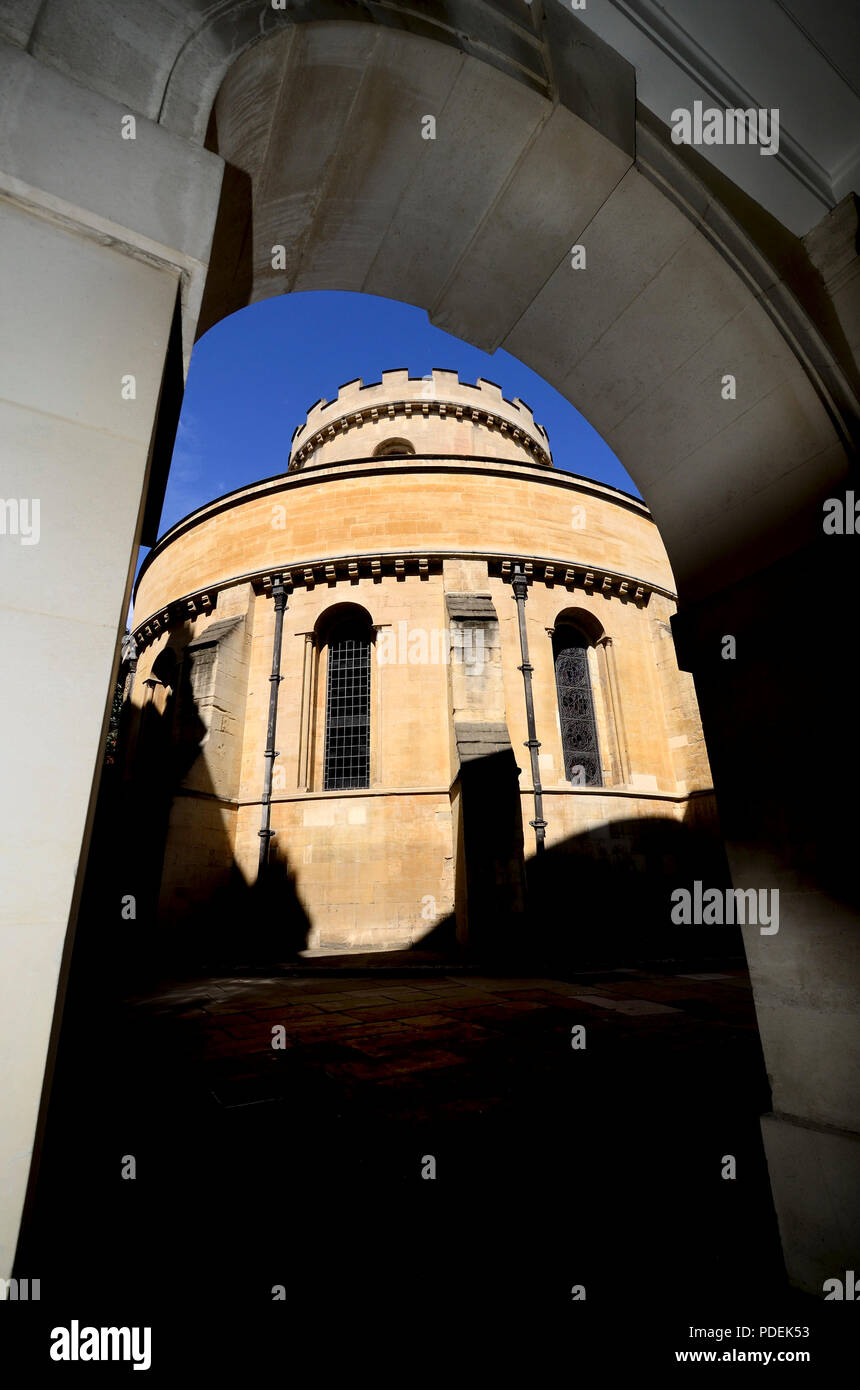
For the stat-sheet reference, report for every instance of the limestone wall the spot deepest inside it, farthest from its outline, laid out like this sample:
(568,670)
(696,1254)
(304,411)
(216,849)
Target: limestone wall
(370,870)
(401,543)
(367,509)
(429,415)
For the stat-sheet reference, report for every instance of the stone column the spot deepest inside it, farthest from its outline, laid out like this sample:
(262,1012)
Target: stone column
(609,673)
(303,773)
(779,719)
(103,239)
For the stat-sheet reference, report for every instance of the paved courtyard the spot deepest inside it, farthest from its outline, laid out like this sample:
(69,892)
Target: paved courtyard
(305,1166)
(432,1045)
(425,1150)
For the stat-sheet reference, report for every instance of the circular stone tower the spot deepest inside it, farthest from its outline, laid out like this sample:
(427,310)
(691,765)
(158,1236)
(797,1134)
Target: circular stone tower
(420,533)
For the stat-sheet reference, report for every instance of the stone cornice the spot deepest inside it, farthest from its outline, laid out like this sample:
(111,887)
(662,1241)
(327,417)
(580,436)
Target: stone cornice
(418,407)
(396,565)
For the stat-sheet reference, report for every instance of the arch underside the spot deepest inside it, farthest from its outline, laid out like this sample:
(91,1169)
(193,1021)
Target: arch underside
(167,62)
(318,111)
(322,130)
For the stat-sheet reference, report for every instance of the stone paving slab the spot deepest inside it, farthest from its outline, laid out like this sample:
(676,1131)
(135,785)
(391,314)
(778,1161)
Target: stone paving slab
(289,1008)
(389,1010)
(645,1006)
(465,1040)
(320,1024)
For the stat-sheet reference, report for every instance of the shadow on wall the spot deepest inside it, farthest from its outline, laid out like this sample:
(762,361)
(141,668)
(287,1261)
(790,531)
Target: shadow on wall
(604,896)
(226,921)
(600,898)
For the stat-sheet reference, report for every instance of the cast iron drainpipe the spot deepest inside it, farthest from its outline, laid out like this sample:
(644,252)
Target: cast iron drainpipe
(520,586)
(279,594)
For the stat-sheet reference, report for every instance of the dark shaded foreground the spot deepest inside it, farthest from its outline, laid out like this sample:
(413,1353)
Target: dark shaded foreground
(301,1167)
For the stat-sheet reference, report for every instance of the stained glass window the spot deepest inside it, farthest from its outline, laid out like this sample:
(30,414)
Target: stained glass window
(576,711)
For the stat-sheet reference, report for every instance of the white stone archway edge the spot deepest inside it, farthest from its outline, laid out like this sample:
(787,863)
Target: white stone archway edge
(94,252)
(153,198)
(169,64)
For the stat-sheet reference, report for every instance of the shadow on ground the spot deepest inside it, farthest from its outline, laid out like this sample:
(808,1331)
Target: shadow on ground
(282,1111)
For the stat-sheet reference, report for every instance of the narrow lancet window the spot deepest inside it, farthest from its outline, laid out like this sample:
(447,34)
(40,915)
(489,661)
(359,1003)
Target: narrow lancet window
(576,709)
(347,721)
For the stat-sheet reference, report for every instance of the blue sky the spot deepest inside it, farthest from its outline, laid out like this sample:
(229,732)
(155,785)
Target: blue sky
(254,375)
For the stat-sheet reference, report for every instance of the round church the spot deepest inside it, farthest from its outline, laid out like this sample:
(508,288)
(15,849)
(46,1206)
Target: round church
(406,672)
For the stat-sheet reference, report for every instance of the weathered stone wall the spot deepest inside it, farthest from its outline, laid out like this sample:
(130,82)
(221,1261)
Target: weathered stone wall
(424,554)
(436,413)
(370,869)
(366,509)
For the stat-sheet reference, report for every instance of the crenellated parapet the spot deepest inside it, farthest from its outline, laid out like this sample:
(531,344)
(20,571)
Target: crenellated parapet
(401,416)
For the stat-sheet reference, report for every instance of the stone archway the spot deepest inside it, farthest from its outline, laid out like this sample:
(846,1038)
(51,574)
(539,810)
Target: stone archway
(539,146)
(476,226)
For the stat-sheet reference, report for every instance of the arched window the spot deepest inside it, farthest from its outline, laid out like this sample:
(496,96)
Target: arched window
(393,448)
(162,683)
(347,708)
(576,707)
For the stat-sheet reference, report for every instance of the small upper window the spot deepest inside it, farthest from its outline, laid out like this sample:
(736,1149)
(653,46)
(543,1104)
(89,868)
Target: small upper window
(392,449)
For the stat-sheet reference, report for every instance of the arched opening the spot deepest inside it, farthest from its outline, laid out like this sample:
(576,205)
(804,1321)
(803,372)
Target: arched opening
(639,343)
(344,638)
(694,454)
(163,678)
(393,448)
(157,714)
(347,708)
(573,679)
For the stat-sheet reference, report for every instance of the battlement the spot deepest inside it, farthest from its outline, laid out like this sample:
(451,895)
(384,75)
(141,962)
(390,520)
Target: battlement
(399,403)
